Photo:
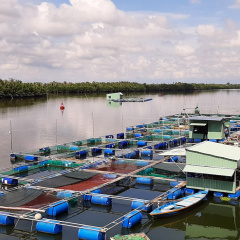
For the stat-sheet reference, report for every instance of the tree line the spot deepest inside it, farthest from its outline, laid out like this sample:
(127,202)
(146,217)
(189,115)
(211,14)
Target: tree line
(13,88)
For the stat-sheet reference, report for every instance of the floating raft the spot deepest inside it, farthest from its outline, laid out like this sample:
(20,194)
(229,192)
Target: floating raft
(136,236)
(133,100)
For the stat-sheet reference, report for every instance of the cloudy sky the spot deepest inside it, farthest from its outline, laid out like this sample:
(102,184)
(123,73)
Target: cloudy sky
(152,41)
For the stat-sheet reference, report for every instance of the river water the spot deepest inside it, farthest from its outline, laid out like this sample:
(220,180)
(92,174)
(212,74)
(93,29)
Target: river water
(27,124)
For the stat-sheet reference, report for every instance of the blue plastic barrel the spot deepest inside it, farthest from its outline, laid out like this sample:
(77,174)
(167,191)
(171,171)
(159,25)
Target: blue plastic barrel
(81,153)
(183,140)
(142,163)
(131,155)
(161,145)
(111,145)
(96,191)
(141,205)
(234,196)
(136,135)
(147,154)
(143,180)
(123,144)
(31,158)
(109,151)
(58,208)
(174,141)
(64,194)
(218,194)
(6,220)
(9,181)
(129,128)
(44,163)
(21,168)
(140,126)
(157,146)
(101,199)
(174,193)
(189,191)
(120,136)
(73,148)
(87,197)
(109,136)
(91,233)
(96,151)
(131,219)
(141,143)
(157,130)
(49,226)
(173,159)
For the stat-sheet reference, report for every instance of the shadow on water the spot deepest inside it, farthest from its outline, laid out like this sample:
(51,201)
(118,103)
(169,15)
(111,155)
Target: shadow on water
(209,220)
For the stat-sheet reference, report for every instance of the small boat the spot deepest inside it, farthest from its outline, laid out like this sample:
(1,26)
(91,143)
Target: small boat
(177,207)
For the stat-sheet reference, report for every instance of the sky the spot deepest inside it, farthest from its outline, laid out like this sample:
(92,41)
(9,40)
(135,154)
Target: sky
(145,41)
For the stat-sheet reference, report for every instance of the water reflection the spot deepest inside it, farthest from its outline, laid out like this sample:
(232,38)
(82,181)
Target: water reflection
(42,236)
(114,104)
(208,221)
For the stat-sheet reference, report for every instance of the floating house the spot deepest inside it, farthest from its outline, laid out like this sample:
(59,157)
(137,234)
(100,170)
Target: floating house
(204,128)
(114,96)
(212,166)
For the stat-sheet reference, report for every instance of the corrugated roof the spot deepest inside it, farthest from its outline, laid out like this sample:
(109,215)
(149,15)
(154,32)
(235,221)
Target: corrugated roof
(198,124)
(174,152)
(217,150)
(203,118)
(209,170)
(171,167)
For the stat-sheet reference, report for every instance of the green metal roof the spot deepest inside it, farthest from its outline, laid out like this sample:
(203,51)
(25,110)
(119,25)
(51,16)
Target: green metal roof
(198,124)
(203,118)
(171,167)
(175,151)
(209,170)
(217,150)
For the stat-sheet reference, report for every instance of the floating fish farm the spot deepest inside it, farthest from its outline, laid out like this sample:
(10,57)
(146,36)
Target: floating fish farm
(119,178)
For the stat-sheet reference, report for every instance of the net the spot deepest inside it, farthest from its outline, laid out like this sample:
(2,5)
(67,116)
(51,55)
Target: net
(67,179)
(19,197)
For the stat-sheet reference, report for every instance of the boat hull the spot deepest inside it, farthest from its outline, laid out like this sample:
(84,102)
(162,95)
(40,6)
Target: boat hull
(176,205)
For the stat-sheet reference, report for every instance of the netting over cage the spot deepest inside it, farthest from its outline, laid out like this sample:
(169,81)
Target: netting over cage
(67,179)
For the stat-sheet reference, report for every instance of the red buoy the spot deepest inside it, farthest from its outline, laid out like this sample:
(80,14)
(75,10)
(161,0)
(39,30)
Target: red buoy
(62,106)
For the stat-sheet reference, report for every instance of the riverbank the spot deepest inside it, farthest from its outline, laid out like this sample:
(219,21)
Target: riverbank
(17,89)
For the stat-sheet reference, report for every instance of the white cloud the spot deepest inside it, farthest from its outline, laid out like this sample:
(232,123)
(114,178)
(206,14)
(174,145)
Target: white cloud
(91,40)
(206,30)
(184,50)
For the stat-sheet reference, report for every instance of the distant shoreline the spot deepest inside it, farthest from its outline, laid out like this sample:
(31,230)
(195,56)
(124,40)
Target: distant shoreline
(17,89)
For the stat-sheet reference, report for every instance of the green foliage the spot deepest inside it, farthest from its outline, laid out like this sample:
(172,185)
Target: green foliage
(15,88)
